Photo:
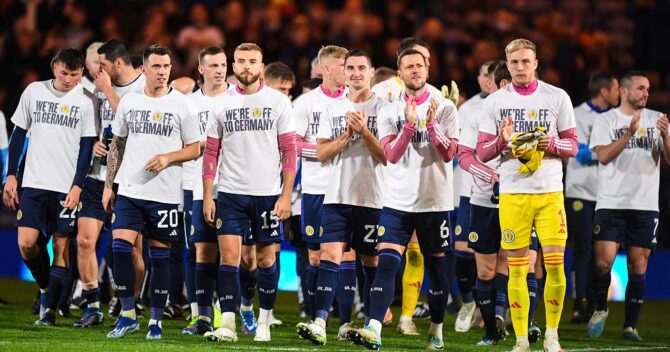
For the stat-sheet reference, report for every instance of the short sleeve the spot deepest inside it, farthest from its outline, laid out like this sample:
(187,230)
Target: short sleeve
(22,117)
(487,117)
(600,135)
(448,119)
(387,121)
(4,142)
(88,118)
(326,128)
(190,131)
(120,124)
(468,137)
(301,113)
(285,116)
(566,113)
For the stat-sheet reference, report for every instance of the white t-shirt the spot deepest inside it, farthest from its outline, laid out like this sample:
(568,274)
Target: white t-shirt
(154,126)
(4,142)
(56,122)
(631,180)
(391,89)
(308,109)
(249,127)
(465,114)
(547,106)
(192,170)
(105,117)
(481,191)
(581,181)
(88,84)
(420,181)
(355,175)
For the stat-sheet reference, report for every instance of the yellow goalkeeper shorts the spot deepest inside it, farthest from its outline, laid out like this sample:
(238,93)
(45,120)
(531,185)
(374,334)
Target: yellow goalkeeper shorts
(520,212)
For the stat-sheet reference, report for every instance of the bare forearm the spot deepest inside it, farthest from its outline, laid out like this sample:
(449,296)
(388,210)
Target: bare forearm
(114,159)
(189,152)
(207,187)
(287,187)
(327,149)
(666,148)
(607,153)
(373,145)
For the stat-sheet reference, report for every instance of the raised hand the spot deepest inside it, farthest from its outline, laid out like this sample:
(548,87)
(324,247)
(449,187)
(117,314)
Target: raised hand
(506,129)
(410,111)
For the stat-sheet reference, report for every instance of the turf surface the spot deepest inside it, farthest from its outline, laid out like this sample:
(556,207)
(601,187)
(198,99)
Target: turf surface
(17,332)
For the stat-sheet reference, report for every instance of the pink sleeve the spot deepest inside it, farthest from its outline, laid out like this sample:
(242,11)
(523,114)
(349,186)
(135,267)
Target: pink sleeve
(395,145)
(289,154)
(305,150)
(489,146)
(445,146)
(566,144)
(468,162)
(211,158)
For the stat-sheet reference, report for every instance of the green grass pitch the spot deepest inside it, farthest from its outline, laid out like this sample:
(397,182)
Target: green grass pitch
(17,332)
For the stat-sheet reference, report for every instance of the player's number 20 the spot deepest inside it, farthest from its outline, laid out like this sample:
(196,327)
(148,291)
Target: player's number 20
(171,216)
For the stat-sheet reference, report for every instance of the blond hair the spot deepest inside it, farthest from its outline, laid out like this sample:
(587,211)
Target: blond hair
(249,47)
(518,44)
(93,48)
(331,51)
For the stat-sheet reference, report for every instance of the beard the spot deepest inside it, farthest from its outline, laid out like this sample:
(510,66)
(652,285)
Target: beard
(637,104)
(413,86)
(247,80)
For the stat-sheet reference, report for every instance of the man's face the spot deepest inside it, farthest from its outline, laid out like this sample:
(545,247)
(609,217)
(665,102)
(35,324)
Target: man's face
(425,52)
(213,68)
(484,80)
(413,71)
(93,64)
(66,79)
(157,70)
(612,95)
(109,67)
(333,67)
(247,66)
(638,92)
(522,64)
(283,86)
(358,72)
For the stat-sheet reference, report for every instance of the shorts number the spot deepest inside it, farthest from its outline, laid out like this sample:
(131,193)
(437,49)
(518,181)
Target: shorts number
(271,218)
(444,229)
(172,216)
(371,231)
(64,213)
(655,228)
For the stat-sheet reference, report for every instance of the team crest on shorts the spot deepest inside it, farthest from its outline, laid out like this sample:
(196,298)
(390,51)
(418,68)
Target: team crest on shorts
(381,231)
(19,215)
(596,229)
(192,229)
(458,230)
(473,237)
(309,230)
(508,236)
(219,223)
(577,205)
(320,231)
(113,217)
(79,206)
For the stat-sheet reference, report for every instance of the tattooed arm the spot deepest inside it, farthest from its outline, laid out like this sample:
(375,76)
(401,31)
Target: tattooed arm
(114,159)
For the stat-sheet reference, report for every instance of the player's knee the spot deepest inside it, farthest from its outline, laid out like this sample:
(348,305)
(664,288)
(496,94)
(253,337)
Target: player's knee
(26,245)
(59,246)
(331,255)
(85,244)
(602,266)
(486,273)
(314,258)
(637,265)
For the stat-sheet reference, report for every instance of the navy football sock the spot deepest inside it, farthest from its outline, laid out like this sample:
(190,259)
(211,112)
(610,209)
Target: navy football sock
(124,273)
(312,273)
(601,285)
(248,280)
(56,281)
(160,280)
(326,287)
(370,273)
(438,291)
(485,301)
(228,287)
(346,290)
(634,298)
(465,262)
(383,287)
(267,286)
(532,293)
(189,273)
(501,281)
(205,281)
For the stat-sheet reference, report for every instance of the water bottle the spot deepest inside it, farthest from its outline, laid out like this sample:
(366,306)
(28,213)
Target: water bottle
(106,140)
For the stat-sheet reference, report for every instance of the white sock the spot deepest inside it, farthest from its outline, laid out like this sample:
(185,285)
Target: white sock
(94,305)
(194,309)
(435,330)
(156,322)
(204,318)
(228,320)
(129,314)
(522,339)
(549,332)
(405,319)
(376,325)
(320,322)
(264,316)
